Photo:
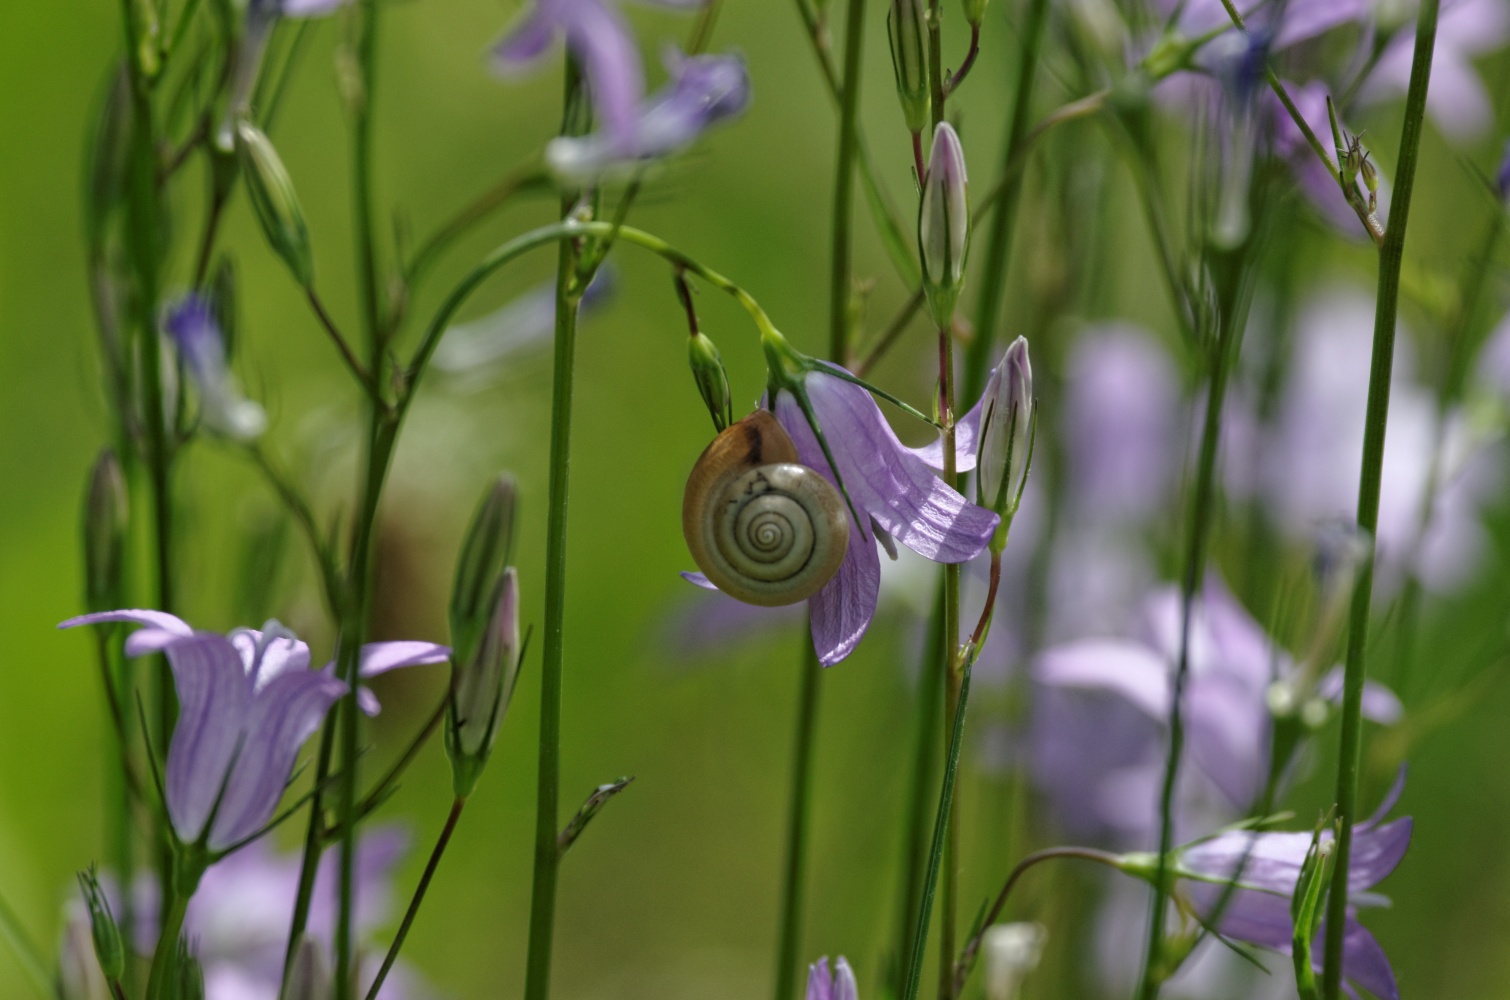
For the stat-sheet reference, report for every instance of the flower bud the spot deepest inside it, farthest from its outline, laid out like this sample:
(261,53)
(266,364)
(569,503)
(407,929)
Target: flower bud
(309,976)
(975,12)
(1006,433)
(188,975)
(484,554)
(106,518)
(712,381)
(108,949)
(907,27)
(482,686)
(1010,952)
(944,224)
(271,191)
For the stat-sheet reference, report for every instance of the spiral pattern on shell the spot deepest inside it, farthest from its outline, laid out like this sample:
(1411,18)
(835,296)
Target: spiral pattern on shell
(761,526)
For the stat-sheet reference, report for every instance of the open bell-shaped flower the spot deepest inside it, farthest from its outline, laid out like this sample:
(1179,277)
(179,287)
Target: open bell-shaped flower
(247,703)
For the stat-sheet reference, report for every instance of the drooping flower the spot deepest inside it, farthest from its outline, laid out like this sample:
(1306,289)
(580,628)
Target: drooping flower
(894,490)
(197,335)
(1267,865)
(247,703)
(601,41)
(838,985)
(703,91)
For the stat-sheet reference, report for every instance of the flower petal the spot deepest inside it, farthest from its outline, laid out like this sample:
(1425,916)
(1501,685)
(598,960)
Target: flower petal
(284,714)
(1364,962)
(845,987)
(525,42)
(162,628)
(214,698)
(841,612)
(820,985)
(966,438)
(599,37)
(381,657)
(1126,668)
(883,477)
(698,580)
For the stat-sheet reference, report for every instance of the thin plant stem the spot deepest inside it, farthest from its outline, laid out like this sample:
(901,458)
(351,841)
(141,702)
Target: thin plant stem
(419,897)
(115,675)
(919,815)
(378,451)
(936,852)
(958,76)
(548,780)
(479,209)
(789,936)
(1386,308)
(1228,264)
(167,946)
(362,374)
(794,872)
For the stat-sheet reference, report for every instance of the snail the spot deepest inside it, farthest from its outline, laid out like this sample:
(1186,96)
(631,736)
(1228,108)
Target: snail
(761,526)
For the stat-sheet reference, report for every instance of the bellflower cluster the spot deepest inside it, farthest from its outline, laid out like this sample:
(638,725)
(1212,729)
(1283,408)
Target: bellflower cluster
(602,42)
(196,333)
(248,701)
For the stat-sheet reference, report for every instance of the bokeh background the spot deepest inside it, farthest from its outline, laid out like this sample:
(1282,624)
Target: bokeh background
(673,891)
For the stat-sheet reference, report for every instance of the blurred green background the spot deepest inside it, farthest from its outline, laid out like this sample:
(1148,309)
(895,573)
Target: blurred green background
(673,892)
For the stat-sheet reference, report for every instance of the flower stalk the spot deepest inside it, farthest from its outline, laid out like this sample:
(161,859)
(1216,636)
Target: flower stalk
(1386,309)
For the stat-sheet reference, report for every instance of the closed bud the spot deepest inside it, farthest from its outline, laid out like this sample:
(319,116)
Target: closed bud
(944,224)
(907,27)
(975,12)
(309,976)
(109,157)
(484,553)
(1006,433)
(106,518)
(482,686)
(712,381)
(271,191)
(108,949)
(188,975)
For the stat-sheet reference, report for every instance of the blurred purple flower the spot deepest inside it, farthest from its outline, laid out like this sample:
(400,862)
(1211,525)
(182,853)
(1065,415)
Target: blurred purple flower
(704,90)
(1267,867)
(1232,664)
(840,985)
(1302,19)
(475,351)
(1457,101)
(1307,459)
(248,701)
(197,336)
(895,491)
(601,41)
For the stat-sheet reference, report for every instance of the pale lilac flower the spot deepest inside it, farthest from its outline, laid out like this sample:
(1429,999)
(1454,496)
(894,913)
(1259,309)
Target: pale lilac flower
(477,351)
(1302,21)
(703,91)
(894,490)
(601,41)
(1267,866)
(840,985)
(247,703)
(1457,100)
(1232,664)
(197,336)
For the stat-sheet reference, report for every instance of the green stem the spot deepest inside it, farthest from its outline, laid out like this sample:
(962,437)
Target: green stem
(953,673)
(936,93)
(1386,308)
(993,277)
(158,983)
(1203,504)
(418,898)
(930,697)
(548,783)
(789,938)
(116,676)
(789,945)
(936,852)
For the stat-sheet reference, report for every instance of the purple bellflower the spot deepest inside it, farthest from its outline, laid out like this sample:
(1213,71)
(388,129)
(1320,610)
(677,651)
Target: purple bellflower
(838,985)
(1266,866)
(248,701)
(1232,663)
(601,41)
(893,488)
(703,91)
(196,334)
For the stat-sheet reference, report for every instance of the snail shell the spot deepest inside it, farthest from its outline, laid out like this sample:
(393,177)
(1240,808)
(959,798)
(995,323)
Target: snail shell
(761,526)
